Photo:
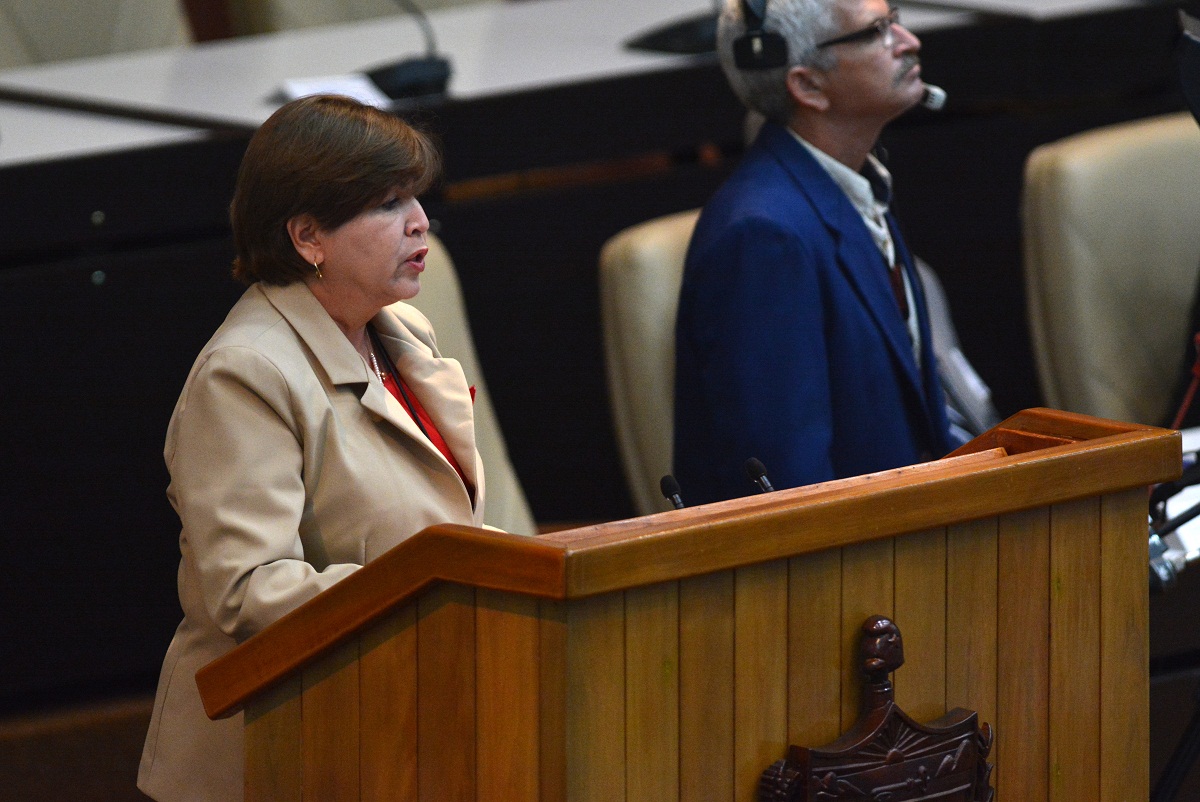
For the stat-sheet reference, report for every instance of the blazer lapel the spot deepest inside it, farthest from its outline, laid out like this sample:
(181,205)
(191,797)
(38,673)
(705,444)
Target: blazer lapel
(377,399)
(332,351)
(337,357)
(858,256)
(440,385)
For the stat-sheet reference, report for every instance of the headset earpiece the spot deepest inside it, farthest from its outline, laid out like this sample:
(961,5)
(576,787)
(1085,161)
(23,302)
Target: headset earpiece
(758,49)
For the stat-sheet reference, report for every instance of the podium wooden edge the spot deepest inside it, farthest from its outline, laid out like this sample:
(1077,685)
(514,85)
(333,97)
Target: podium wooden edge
(1034,458)
(463,554)
(1058,457)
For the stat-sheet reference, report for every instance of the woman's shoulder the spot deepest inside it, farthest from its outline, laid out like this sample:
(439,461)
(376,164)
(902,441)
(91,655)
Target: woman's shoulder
(275,320)
(247,320)
(253,333)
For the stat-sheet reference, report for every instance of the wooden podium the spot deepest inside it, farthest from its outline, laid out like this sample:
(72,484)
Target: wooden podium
(675,656)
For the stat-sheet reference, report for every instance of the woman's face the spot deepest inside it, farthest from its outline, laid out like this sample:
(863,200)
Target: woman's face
(376,258)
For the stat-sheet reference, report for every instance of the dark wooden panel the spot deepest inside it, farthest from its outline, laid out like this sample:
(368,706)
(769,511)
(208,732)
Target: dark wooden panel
(126,201)
(598,120)
(98,349)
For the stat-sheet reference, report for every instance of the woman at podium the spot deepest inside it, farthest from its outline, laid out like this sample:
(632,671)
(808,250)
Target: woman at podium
(320,425)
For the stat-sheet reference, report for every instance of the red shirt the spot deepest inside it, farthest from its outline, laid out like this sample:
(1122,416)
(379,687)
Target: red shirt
(423,418)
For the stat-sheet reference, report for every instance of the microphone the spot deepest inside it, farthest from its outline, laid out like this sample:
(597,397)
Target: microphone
(1168,558)
(934,98)
(670,490)
(414,77)
(758,475)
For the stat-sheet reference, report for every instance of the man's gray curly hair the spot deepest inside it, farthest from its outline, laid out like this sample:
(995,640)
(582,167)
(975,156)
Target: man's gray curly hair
(802,23)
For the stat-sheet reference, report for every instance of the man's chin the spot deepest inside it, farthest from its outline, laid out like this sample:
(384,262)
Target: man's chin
(914,89)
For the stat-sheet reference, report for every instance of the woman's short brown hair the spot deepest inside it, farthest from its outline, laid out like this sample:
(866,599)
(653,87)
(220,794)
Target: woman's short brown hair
(327,156)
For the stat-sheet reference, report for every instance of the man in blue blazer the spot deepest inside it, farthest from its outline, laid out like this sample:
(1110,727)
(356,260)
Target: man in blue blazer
(803,338)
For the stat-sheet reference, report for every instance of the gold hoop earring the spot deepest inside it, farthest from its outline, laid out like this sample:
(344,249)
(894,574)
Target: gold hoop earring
(317,268)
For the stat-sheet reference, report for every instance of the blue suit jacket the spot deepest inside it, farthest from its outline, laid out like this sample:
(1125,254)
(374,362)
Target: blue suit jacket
(789,343)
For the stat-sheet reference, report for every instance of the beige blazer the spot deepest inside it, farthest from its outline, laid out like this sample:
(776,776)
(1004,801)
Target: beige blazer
(291,466)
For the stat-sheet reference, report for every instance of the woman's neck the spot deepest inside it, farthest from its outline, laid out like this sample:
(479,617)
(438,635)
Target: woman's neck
(352,323)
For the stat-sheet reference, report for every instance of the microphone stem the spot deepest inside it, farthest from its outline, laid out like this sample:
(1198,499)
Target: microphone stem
(422,20)
(1178,521)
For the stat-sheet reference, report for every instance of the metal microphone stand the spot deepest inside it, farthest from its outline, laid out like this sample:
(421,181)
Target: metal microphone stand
(1165,566)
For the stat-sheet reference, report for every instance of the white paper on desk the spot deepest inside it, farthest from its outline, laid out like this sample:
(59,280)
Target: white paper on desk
(1039,9)
(355,85)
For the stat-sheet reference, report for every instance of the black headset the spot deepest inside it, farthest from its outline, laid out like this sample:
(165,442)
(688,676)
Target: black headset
(757,49)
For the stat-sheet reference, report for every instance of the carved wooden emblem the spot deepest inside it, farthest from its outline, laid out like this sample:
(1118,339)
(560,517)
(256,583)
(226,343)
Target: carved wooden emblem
(886,756)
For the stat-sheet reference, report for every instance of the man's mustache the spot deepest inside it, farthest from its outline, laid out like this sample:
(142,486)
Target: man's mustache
(908,61)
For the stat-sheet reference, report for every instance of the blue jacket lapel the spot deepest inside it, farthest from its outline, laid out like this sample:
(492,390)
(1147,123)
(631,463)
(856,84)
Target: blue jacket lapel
(857,254)
(932,396)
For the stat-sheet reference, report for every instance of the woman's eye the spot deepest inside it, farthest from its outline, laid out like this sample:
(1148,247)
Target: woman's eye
(391,204)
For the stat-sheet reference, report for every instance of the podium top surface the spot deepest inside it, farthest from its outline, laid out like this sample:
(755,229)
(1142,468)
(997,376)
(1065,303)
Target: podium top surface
(1034,459)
